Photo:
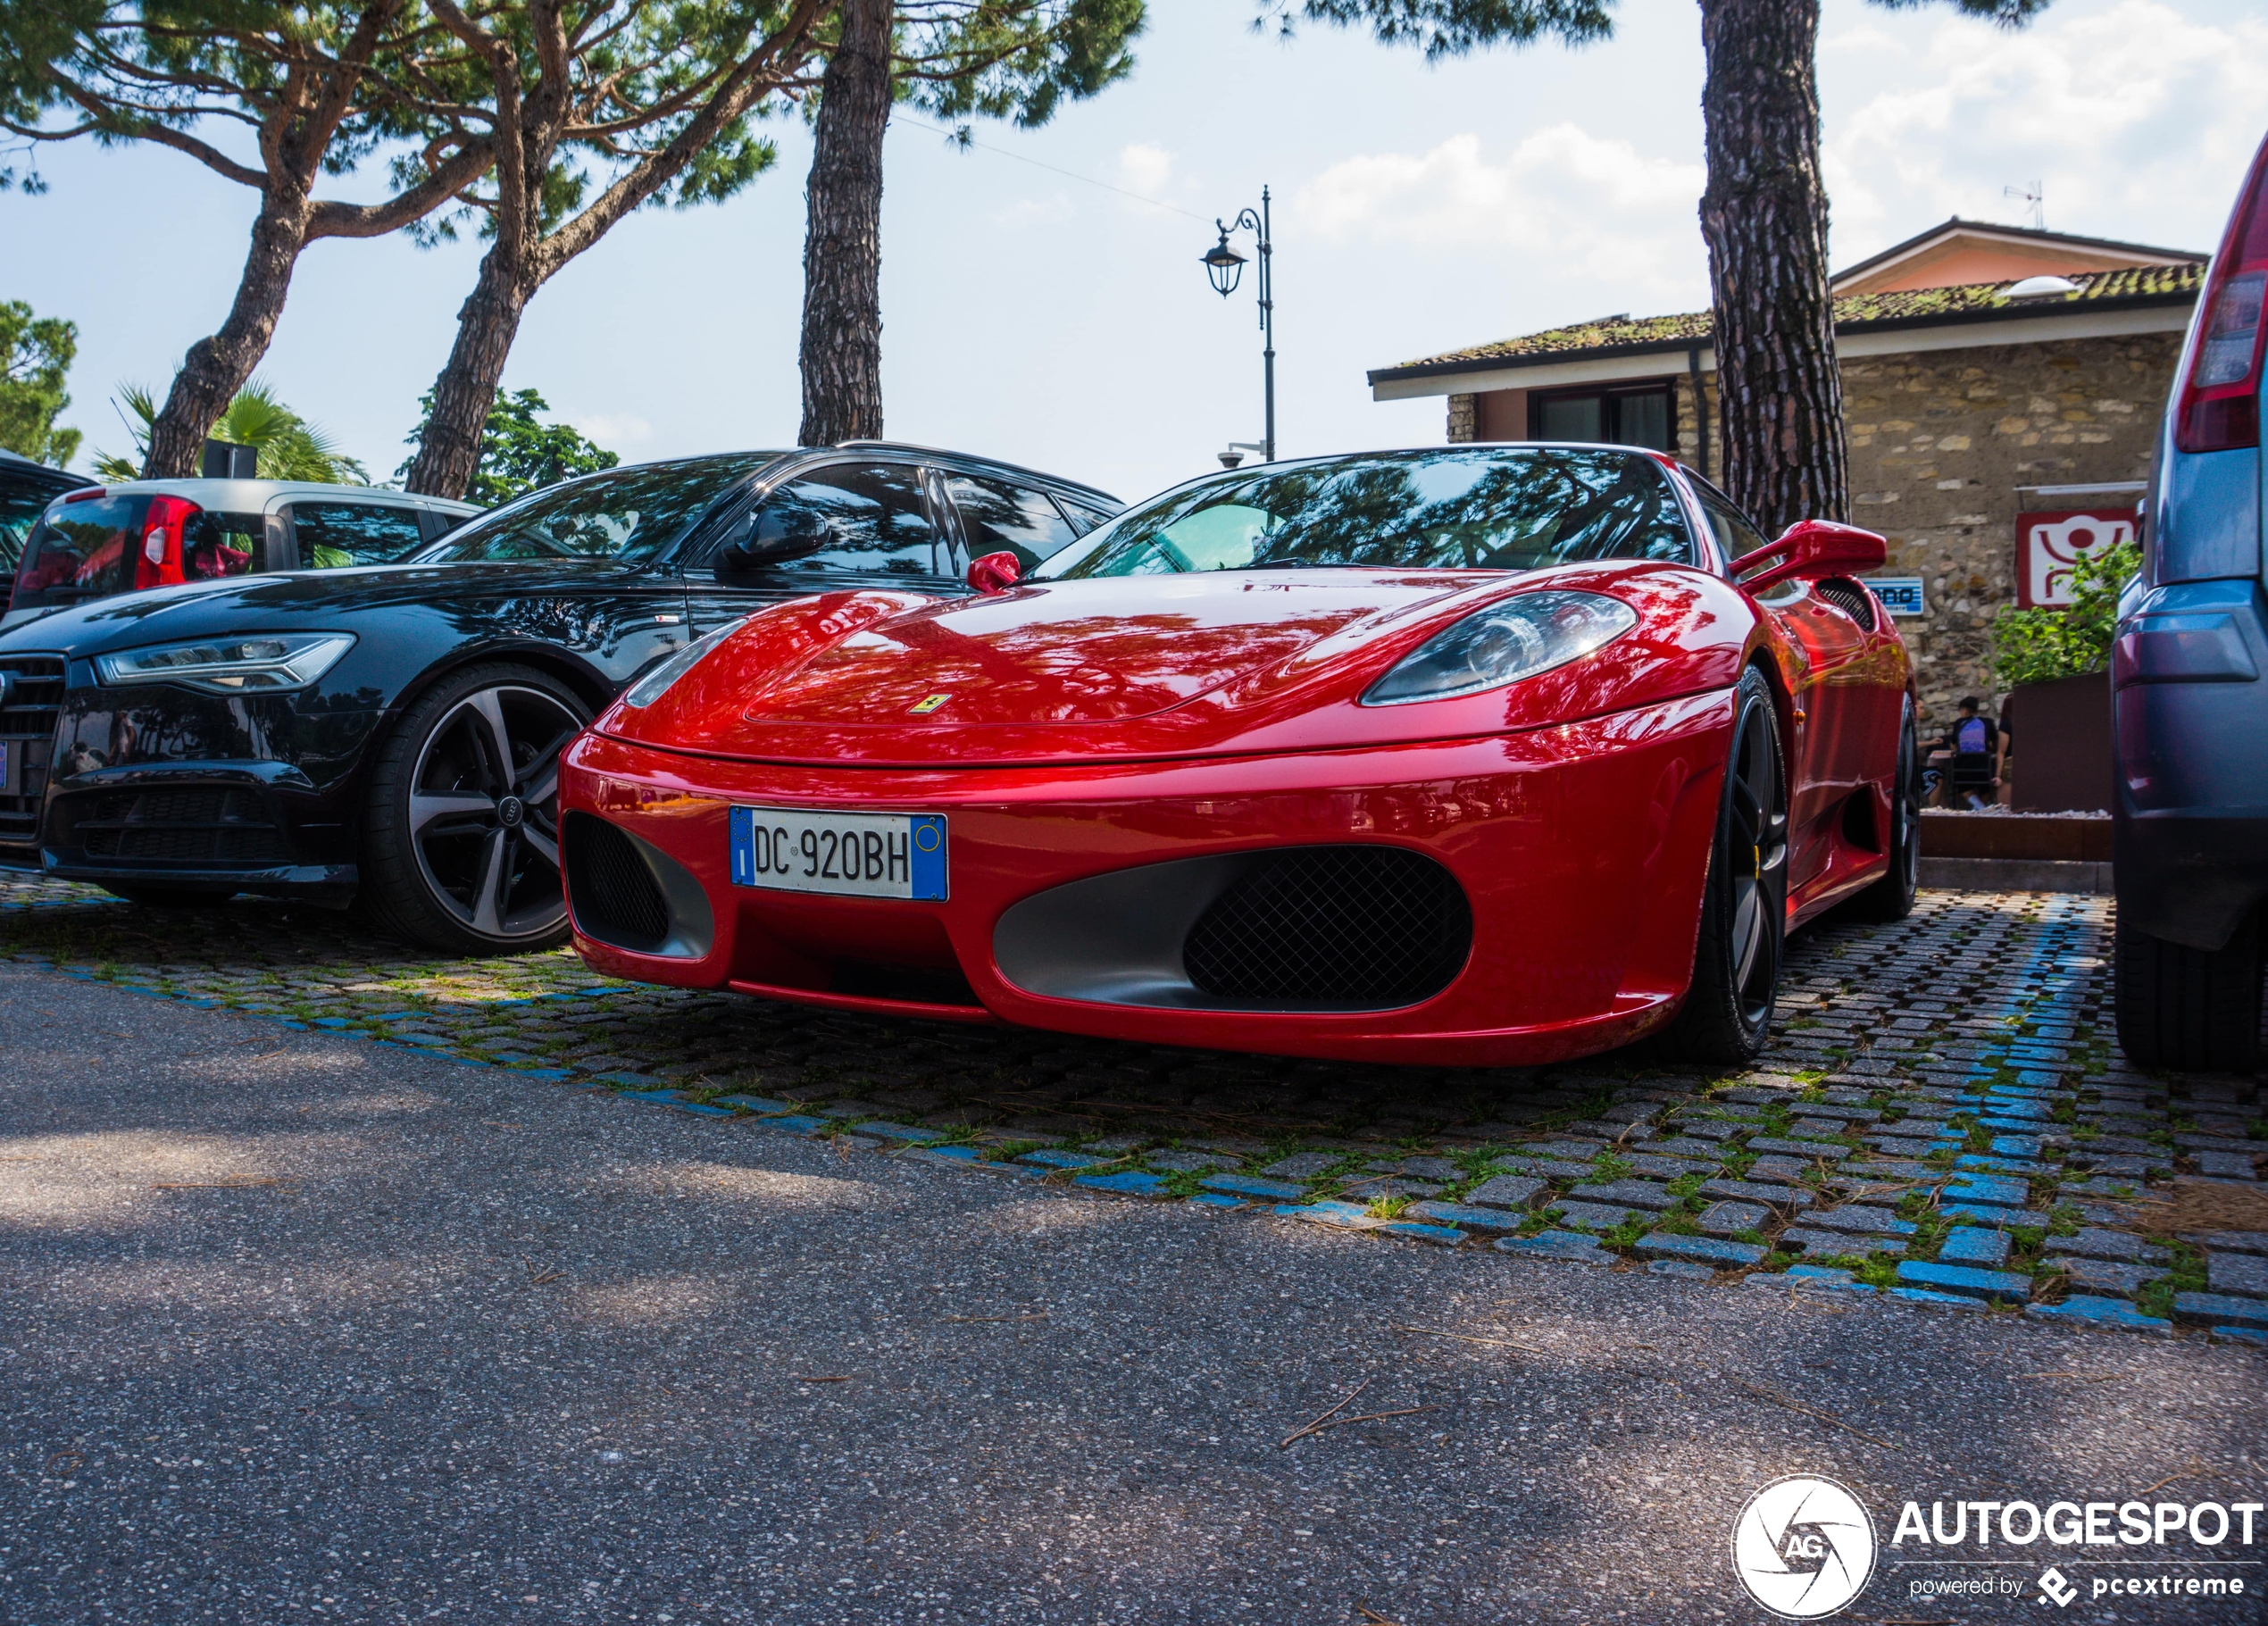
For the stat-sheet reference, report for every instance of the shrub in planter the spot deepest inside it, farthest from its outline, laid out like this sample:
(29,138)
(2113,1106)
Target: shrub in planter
(2059,711)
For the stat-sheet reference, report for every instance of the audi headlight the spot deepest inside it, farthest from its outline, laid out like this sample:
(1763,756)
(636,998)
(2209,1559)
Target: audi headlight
(1523,635)
(261,665)
(656,683)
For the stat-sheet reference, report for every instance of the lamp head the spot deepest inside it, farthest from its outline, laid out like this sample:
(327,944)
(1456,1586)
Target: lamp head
(1223,264)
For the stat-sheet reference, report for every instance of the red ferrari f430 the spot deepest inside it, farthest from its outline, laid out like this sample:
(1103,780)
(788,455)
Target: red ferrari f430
(1476,756)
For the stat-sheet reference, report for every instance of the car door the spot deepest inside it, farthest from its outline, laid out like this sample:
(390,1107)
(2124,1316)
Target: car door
(1828,670)
(868,523)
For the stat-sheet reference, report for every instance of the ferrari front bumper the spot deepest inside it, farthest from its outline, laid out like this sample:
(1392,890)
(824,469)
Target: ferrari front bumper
(1579,850)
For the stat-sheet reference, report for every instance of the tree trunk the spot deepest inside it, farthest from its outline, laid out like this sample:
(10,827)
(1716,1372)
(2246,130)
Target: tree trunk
(449,450)
(1765,218)
(842,343)
(217,366)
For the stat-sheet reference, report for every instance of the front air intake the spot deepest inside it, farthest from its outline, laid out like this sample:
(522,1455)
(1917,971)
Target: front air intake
(1361,927)
(611,889)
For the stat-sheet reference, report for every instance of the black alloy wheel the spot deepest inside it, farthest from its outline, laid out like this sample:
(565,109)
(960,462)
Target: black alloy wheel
(463,848)
(1891,898)
(1727,1014)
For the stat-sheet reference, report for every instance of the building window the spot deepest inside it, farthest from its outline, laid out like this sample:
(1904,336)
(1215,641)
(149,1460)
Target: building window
(1639,417)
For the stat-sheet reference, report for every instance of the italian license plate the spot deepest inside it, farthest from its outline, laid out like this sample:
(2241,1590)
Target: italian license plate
(793,849)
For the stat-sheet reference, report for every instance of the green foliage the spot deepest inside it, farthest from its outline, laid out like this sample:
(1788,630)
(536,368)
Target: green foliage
(36,353)
(2040,645)
(518,455)
(289,446)
(1012,59)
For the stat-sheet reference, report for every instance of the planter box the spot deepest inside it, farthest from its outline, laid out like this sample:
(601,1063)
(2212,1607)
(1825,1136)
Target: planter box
(2060,746)
(1958,835)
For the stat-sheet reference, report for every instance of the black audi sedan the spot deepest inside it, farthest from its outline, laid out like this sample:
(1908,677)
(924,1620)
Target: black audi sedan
(389,734)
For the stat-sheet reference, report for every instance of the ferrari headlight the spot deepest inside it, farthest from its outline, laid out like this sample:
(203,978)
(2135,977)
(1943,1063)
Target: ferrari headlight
(656,683)
(1516,639)
(259,665)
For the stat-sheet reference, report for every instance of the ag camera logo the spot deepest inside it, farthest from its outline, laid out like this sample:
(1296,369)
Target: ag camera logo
(1803,1547)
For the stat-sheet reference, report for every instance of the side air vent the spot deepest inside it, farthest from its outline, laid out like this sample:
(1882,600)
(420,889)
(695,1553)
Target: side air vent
(1852,599)
(626,892)
(32,697)
(614,895)
(1371,927)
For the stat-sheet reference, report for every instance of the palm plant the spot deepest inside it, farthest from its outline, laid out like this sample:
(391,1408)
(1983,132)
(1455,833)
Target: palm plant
(289,446)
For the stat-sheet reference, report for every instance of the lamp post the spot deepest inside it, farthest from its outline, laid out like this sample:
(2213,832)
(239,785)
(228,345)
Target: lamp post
(1226,266)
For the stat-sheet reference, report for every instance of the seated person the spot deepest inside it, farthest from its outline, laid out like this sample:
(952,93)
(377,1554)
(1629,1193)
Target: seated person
(1973,735)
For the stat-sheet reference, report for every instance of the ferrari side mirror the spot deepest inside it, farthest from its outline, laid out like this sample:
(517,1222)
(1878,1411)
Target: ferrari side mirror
(1807,550)
(995,573)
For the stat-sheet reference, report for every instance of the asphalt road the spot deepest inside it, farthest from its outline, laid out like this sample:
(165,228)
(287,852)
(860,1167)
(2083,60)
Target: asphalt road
(299,1326)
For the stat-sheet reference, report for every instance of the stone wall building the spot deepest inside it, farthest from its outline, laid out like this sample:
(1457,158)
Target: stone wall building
(1988,372)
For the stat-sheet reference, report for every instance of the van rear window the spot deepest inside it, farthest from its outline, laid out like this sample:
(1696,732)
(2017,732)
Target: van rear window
(80,551)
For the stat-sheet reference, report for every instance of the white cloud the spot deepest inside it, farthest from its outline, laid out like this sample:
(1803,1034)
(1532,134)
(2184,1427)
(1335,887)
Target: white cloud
(1599,209)
(1032,211)
(611,430)
(2139,119)
(1145,168)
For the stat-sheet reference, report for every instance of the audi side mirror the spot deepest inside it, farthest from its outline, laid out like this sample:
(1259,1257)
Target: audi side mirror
(995,573)
(774,535)
(1809,549)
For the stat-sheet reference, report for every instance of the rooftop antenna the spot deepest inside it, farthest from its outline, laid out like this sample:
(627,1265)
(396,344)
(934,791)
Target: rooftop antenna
(2034,198)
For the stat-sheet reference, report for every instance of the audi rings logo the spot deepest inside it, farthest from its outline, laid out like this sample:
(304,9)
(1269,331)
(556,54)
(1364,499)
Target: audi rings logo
(1803,1547)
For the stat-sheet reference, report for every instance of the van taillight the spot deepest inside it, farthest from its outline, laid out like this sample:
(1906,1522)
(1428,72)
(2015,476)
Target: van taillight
(159,564)
(2218,410)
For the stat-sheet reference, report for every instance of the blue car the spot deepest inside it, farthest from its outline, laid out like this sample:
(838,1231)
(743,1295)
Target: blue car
(2190,713)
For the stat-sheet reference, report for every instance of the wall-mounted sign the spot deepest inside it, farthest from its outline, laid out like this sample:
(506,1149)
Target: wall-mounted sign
(2047,545)
(1900,594)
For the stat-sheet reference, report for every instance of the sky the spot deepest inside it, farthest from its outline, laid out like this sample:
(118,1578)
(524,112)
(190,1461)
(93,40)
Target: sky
(1042,296)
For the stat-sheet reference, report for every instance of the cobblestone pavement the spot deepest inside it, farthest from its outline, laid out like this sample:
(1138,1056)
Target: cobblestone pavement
(1941,1116)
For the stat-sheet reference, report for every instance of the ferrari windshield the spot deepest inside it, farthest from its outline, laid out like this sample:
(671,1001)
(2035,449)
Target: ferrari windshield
(631,514)
(1491,508)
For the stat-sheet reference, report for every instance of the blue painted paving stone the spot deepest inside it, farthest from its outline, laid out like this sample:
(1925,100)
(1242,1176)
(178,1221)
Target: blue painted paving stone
(2001,1189)
(1927,1296)
(1446,1235)
(1466,1215)
(1723,1218)
(2091,1242)
(2021,1167)
(1751,1191)
(1506,1191)
(1799,1149)
(1567,1245)
(1682,1270)
(1352,1216)
(1592,1216)
(1302,1165)
(797,1123)
(2090,1311)
(1668,1168)
(1629,1193)
(1701,1250)
(1965,1281)
(1245,1184)
(1977,1245)
(2015,1146)
(1813,1240)
(1132,1182)
(2214,1307)
(2246,1275)
(1050,1159)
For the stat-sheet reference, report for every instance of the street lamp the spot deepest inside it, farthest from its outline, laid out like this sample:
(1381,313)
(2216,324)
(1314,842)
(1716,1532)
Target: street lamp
(1225,266)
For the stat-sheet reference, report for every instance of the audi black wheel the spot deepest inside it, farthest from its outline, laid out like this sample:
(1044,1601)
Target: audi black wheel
(461,846)
(1727,1014)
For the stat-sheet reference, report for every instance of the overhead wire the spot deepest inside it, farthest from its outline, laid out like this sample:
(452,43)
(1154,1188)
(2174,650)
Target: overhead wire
(960,138)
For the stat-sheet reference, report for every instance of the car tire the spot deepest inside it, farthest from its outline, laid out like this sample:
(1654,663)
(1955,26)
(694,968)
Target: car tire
(2190,1009)
(1726,1018)
(1891,898)
(460,843)
(170,897)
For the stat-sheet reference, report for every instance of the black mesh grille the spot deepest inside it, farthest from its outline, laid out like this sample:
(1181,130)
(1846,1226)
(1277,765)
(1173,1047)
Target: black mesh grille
(1849,597)
(1366,926)
(28,734)
(197,825)
(613,893)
